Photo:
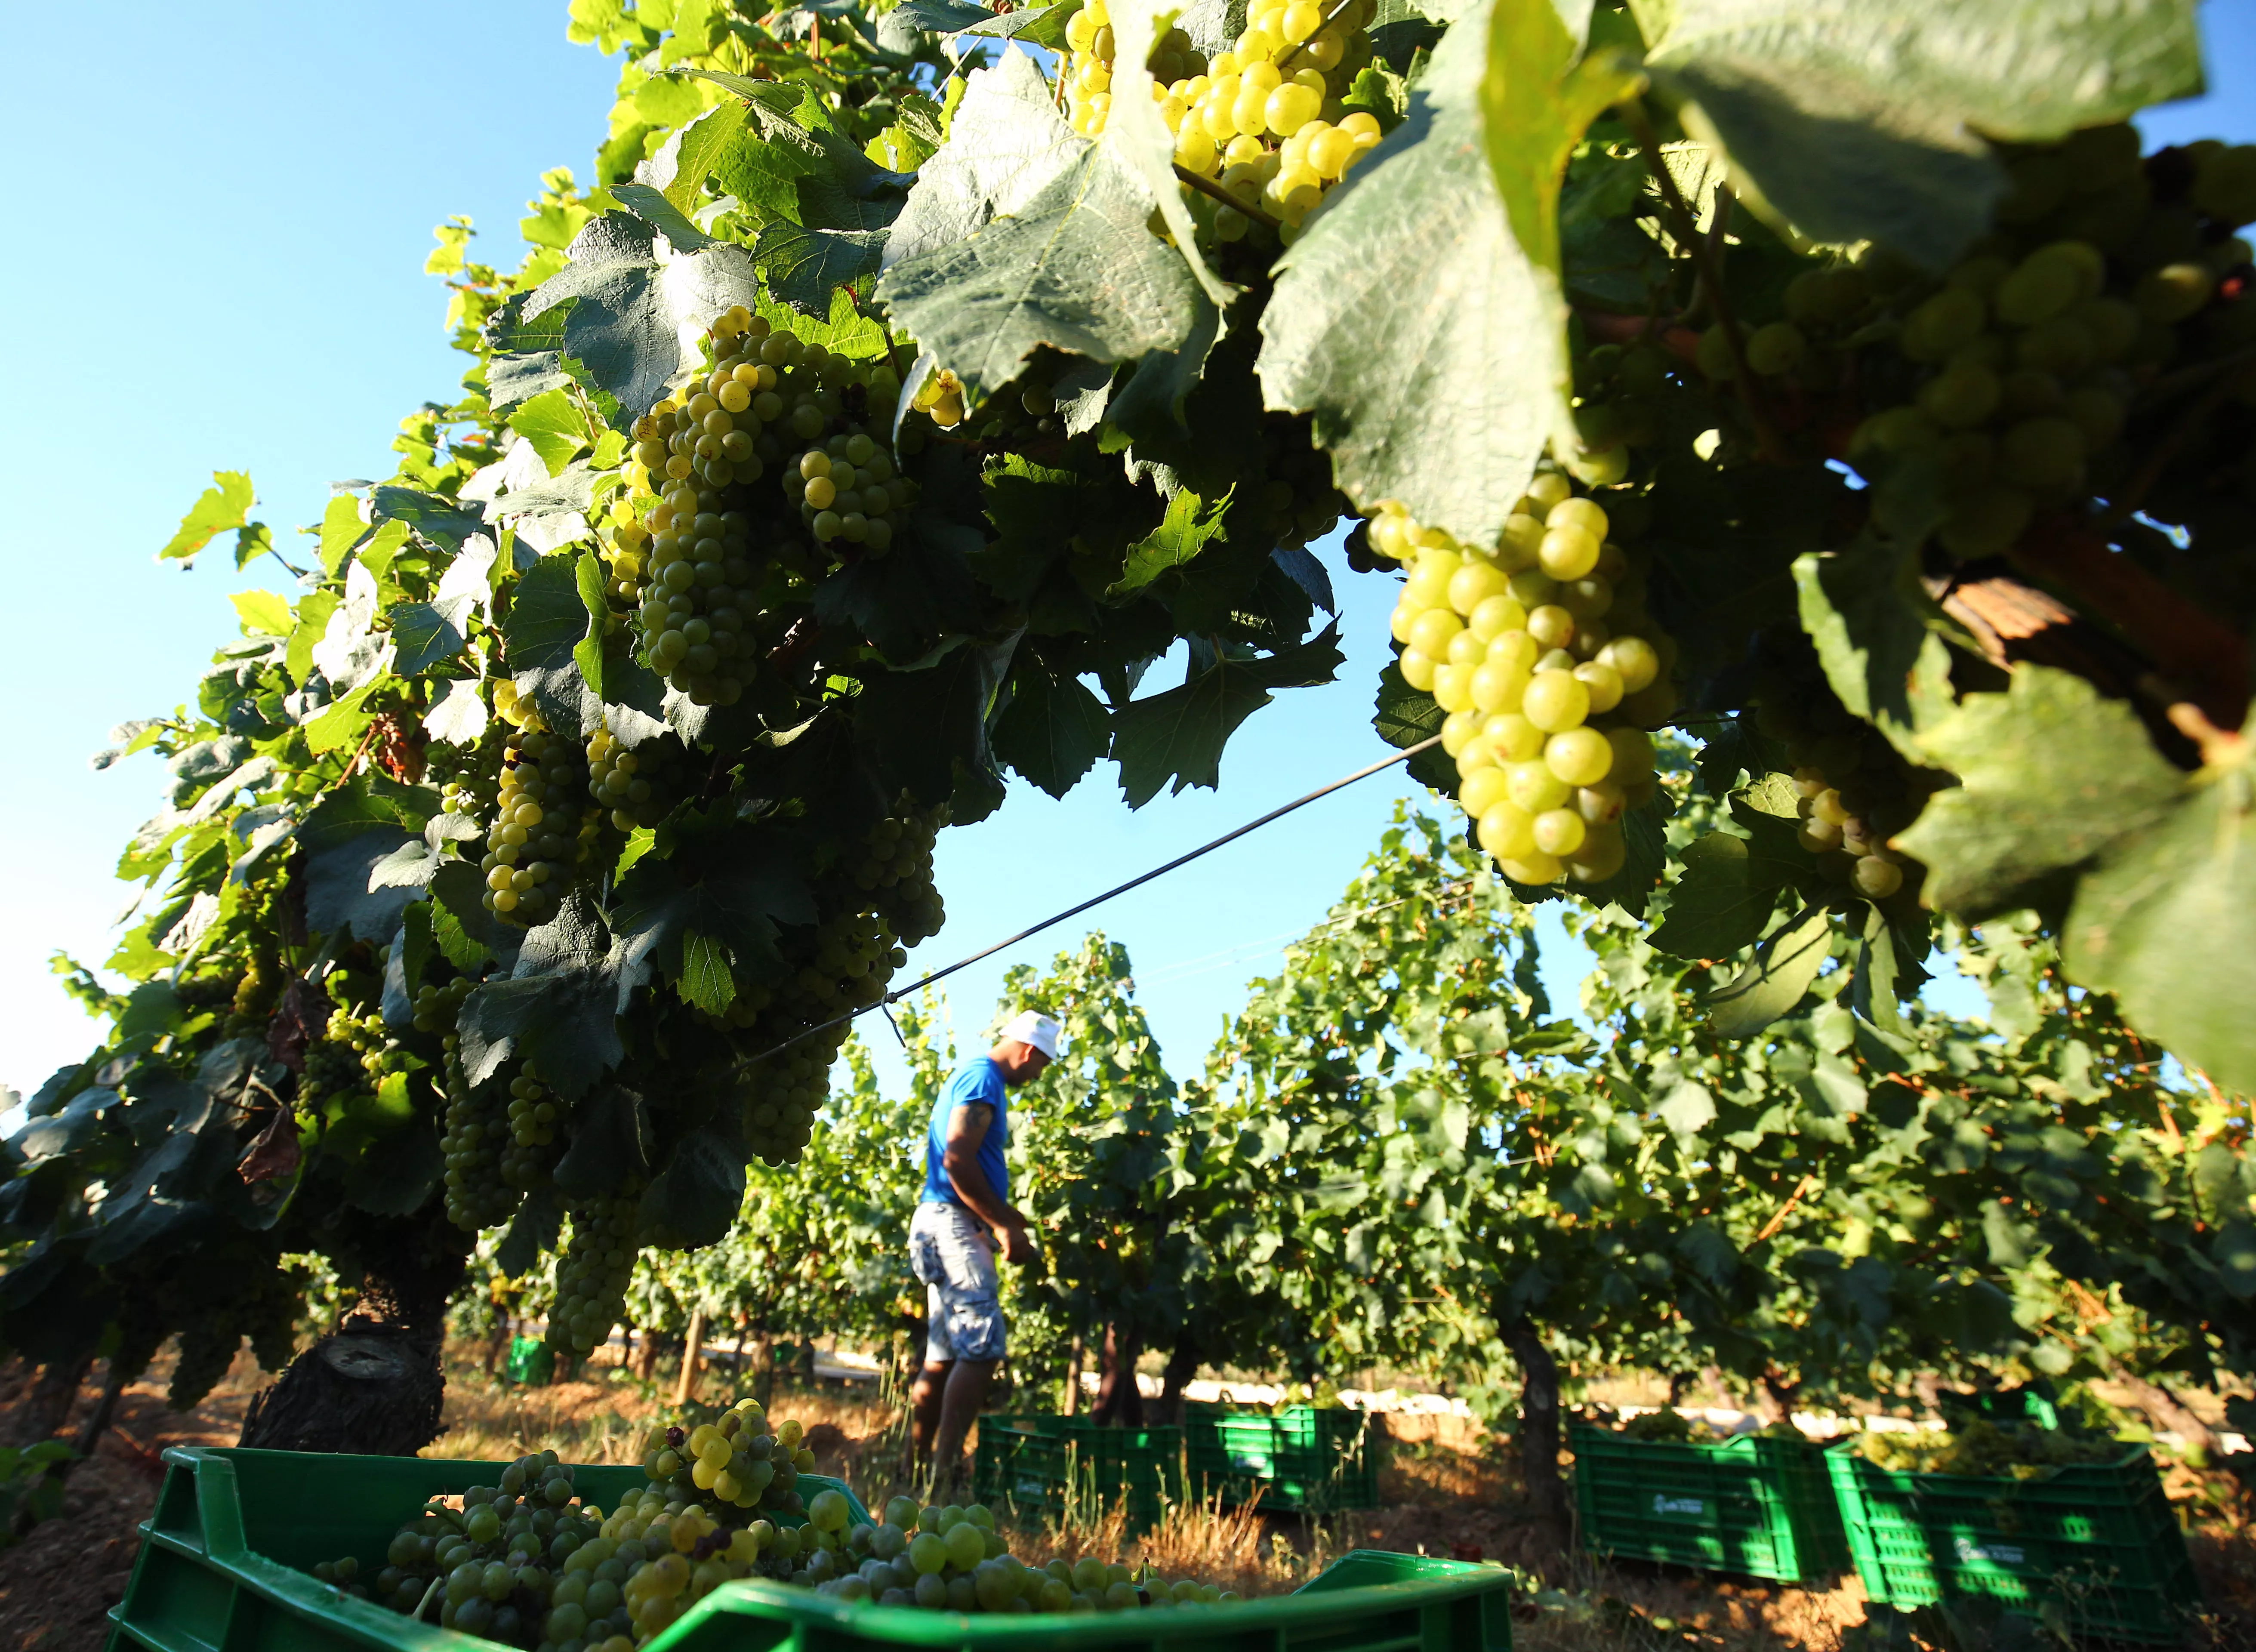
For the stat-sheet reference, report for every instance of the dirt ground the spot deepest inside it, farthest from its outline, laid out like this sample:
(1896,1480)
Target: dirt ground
(1437,1499)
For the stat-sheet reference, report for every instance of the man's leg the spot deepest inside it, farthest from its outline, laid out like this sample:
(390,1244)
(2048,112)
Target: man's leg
(959,1401)
(931,1384)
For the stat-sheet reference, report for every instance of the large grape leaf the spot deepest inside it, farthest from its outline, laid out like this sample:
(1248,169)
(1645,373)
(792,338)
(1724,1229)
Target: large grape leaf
(1078,268)
(547,621)
(1006,145)
(1137,134)
(2052,775)
(1864,119)
(1774,978)
(558,1005)
(1179,735)
(1054,728)
(1861,609)
(630,310)
(1412,322)
(1723,901)
(2162,923)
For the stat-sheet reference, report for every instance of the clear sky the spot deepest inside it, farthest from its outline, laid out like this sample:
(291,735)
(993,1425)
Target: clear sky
(253,300)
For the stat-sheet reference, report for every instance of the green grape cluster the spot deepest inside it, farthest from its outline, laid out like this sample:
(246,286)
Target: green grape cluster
(436,1007)
(540,834)
(593,1271)
(2017,1450)
(683,545)
(366,1037)
(1302,502)
(534,1114)
(847,490)
(467,776)
(208,1346)
(778,1097)
(635,786)
(1541,653)
(894,862)
(496,1565)
(332,1071)
(1667,1425)
(477,1135)
(2012,375)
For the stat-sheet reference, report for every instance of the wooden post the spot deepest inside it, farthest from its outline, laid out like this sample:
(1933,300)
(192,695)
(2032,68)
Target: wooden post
(1073,1377)
(685,1388)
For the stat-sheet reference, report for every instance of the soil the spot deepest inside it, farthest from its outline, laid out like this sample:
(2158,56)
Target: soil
(57,1585)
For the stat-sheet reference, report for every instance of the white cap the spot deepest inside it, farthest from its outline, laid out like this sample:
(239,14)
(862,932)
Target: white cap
(1032,1027)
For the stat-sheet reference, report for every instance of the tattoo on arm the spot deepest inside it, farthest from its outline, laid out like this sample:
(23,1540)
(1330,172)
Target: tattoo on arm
(967,1127)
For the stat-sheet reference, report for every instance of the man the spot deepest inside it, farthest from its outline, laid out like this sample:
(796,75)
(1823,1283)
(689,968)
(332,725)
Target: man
(964,1216)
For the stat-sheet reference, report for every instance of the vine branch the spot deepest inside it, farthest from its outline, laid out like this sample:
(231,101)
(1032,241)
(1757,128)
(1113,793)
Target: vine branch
(1207,187)
(1330,18)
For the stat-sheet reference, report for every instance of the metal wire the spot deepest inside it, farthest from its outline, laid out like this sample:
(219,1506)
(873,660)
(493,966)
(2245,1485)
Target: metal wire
(899,993)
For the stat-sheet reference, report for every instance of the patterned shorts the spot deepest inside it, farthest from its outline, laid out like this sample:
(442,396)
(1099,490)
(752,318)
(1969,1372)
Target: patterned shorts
(949,1249)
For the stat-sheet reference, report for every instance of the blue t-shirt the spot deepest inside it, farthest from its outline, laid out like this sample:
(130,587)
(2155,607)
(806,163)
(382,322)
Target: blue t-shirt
(977,1083)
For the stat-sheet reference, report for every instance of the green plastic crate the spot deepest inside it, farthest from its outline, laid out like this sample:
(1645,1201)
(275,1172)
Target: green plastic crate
(225,1561)
(1762,1506)
(2097,1543)
(531,1361)
(1044,1465)
(220,1570)
(1301,1460)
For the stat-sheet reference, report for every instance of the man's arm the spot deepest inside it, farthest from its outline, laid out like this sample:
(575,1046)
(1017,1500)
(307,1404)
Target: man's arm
(967,1128)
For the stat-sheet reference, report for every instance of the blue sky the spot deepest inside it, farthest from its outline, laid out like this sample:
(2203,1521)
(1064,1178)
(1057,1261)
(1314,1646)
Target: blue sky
(258,304)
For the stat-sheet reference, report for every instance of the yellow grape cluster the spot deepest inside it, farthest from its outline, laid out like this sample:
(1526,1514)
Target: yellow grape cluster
(940,399)
(738,1457)
(1263,119)
(1550,670)
(539,837)
(846,489)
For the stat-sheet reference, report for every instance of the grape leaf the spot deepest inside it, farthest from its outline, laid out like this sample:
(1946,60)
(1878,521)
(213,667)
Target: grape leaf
(805,266)
(1858,119)
(1721,903)
(696,1196)
(428,634)
(1006,146)
(1078,268)
(1186,530)
(687,157)
(554,425)
(1410,323)
(1054,730)
(440,521)
(587,652)
(2051,775)
(1179,735)
(558,1008)
(1775,977)
(610,1142)
(223,506)
(2163,921)
(1137,136)
(264,612)
(1863,609)
(547,620)
(341,890)
(1405,717)
(625,327)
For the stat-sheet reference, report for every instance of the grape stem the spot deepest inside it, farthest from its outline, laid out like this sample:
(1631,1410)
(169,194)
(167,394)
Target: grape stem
(1207,187)
(1330,18)
(1632,112)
